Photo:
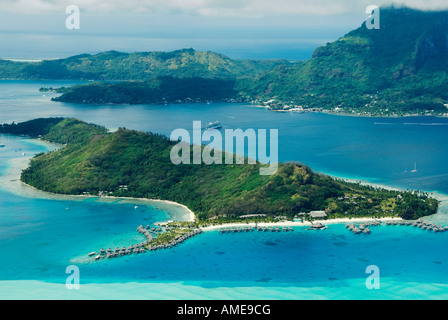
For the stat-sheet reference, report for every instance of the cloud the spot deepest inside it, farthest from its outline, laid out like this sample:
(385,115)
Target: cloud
(224,8)
(424,4)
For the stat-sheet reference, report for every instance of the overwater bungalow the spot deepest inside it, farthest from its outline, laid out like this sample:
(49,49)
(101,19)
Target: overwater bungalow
(318,226)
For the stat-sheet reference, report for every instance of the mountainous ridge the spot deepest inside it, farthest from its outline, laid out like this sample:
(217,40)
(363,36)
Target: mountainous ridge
(399,69)
(114,65)
(401,65)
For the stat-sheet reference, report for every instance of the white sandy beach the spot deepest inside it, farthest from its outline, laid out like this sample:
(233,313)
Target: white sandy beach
(299,224)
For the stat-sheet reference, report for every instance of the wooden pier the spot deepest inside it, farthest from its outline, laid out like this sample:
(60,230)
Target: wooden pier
(145,246)
(364,228)
(258,228)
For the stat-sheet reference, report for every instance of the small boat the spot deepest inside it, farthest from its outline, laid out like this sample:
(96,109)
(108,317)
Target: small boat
(213,125)
(2,145)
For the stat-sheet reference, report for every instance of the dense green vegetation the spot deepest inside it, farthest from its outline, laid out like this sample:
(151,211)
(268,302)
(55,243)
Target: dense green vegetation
(156,91)
(57,130)
(137,164)
(113,65)
(401,68)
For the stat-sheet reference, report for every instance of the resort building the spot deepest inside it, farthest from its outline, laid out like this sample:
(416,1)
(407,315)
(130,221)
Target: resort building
(315,214)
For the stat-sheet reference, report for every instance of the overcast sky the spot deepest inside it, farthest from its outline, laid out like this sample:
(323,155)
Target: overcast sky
(289,29)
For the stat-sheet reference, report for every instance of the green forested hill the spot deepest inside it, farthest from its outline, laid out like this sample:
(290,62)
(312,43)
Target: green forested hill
(113,65)
(159,90)
(403,67)
(137,164)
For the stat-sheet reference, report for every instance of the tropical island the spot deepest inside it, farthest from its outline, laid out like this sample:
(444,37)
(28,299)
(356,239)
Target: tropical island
(400,69)
(160,90)
(128,163)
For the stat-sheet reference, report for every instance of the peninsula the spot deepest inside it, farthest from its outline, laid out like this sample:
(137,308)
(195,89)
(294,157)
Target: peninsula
(128,163)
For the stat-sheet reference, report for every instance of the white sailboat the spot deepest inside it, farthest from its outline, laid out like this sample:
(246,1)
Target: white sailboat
(415,168)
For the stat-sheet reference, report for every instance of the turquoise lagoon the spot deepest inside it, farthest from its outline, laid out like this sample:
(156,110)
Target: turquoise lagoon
(40,235)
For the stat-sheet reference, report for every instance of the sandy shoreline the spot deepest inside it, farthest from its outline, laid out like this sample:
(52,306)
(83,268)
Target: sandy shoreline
(348,114)
(300,224)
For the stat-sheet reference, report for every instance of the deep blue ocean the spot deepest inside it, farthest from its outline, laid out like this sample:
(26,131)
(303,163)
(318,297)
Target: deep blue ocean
(39,238)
